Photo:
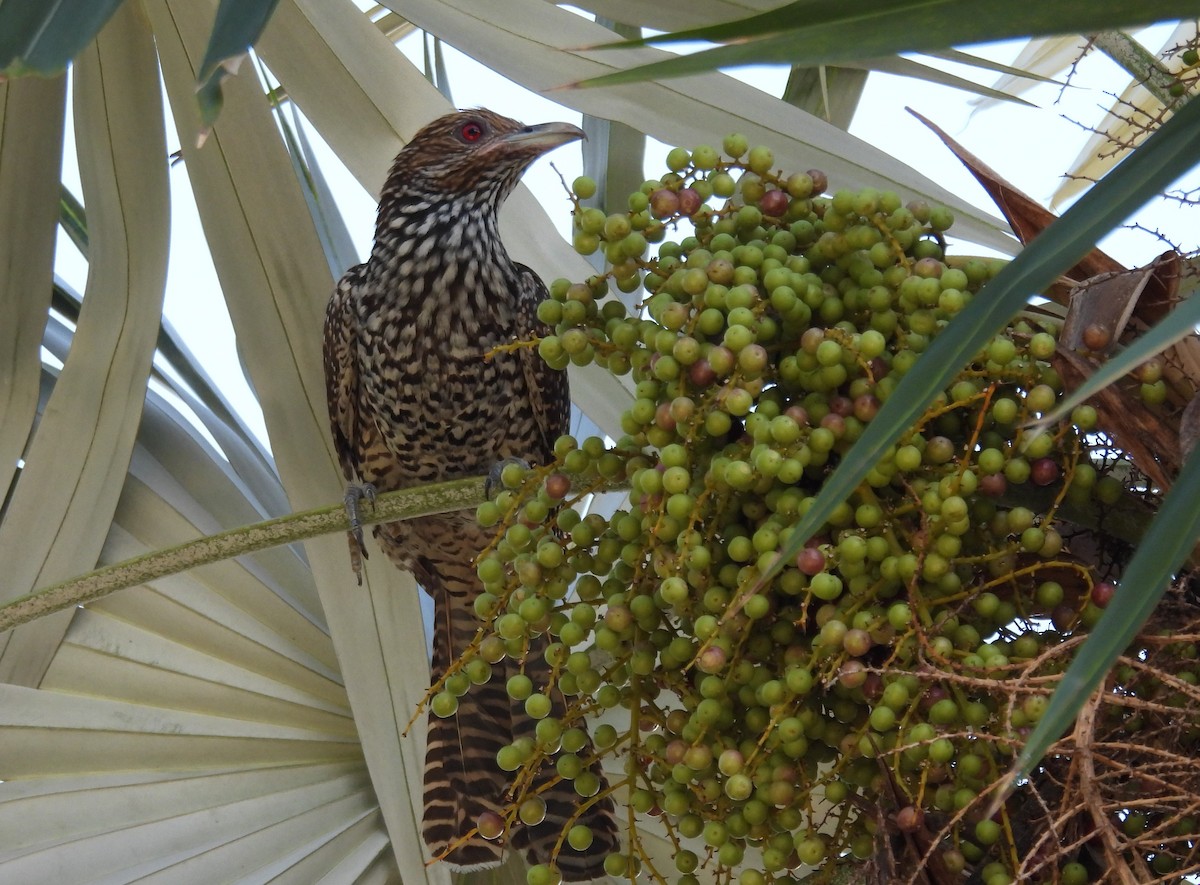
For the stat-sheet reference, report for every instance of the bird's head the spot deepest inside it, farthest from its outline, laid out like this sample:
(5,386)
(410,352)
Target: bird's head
(476,152)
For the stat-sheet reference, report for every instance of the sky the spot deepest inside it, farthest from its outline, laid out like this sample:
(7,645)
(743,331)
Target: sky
(1030,146)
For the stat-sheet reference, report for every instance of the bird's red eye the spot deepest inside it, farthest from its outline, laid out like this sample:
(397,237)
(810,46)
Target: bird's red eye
(471,131)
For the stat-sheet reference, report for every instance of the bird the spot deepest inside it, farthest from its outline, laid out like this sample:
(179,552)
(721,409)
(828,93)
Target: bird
(418,394)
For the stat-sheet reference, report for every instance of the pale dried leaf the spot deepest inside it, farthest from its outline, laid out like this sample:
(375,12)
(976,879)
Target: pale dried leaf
(1045,56)
(1126,124)
(228,793)
(31,131)
(192,726)
(677,16)
(276,284)
(178,489)
(60,510)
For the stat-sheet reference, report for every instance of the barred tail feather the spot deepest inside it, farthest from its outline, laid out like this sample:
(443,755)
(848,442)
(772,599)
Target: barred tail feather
(462,778)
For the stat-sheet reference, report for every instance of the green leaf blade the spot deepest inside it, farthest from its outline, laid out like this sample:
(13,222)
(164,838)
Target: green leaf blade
(42,38)
(236,28)
(797,35)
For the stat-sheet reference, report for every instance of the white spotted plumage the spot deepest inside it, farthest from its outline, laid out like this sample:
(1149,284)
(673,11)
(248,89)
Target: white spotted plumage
(417,394)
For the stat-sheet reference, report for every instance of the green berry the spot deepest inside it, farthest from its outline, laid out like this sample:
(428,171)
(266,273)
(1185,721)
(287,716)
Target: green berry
(735,145)
(811,850)
(519,687)
(537,706)
(580,837)
(678,159)
(542,874)
(584,187)
(761,160)
(705,157)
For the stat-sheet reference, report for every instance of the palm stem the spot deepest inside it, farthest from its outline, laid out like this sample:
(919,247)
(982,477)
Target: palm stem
(389,507)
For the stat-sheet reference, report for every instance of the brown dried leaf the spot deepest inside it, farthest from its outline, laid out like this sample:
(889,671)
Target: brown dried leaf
(1181,367)
(1181,361)
(1162,287)
(1025,215)
(1156,287)
(1100,308)
(1137,430)
(1189,427)
(1186,355)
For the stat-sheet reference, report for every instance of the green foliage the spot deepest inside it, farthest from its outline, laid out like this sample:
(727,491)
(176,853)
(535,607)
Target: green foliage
(41,38)
(815,32)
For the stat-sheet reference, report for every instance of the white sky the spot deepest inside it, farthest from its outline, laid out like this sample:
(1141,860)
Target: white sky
(1029,146)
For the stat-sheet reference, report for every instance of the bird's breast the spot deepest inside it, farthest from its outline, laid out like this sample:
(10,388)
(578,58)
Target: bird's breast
(439,396)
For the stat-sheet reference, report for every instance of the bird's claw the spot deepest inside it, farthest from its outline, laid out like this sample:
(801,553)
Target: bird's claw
(493,484)
(355,495)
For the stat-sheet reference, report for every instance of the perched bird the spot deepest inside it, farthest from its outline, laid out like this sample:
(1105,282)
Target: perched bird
(414,398)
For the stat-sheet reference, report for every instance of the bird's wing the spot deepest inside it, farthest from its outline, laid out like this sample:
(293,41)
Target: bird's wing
(549,394)
(341,371)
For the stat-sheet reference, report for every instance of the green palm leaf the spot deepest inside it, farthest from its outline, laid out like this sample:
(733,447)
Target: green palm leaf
(813,32)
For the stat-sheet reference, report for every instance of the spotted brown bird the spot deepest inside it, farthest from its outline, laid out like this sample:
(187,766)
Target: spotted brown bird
(417,396)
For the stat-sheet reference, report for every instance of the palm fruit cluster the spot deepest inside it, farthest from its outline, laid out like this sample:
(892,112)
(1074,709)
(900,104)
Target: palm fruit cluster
(856,706)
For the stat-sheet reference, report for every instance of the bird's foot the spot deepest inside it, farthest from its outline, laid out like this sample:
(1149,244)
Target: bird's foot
(494,483)
(355,495)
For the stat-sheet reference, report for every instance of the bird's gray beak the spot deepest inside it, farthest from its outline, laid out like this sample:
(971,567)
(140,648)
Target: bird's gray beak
(543,137)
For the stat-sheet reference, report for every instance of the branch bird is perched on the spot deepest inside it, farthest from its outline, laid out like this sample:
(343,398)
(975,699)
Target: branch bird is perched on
(414,399)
